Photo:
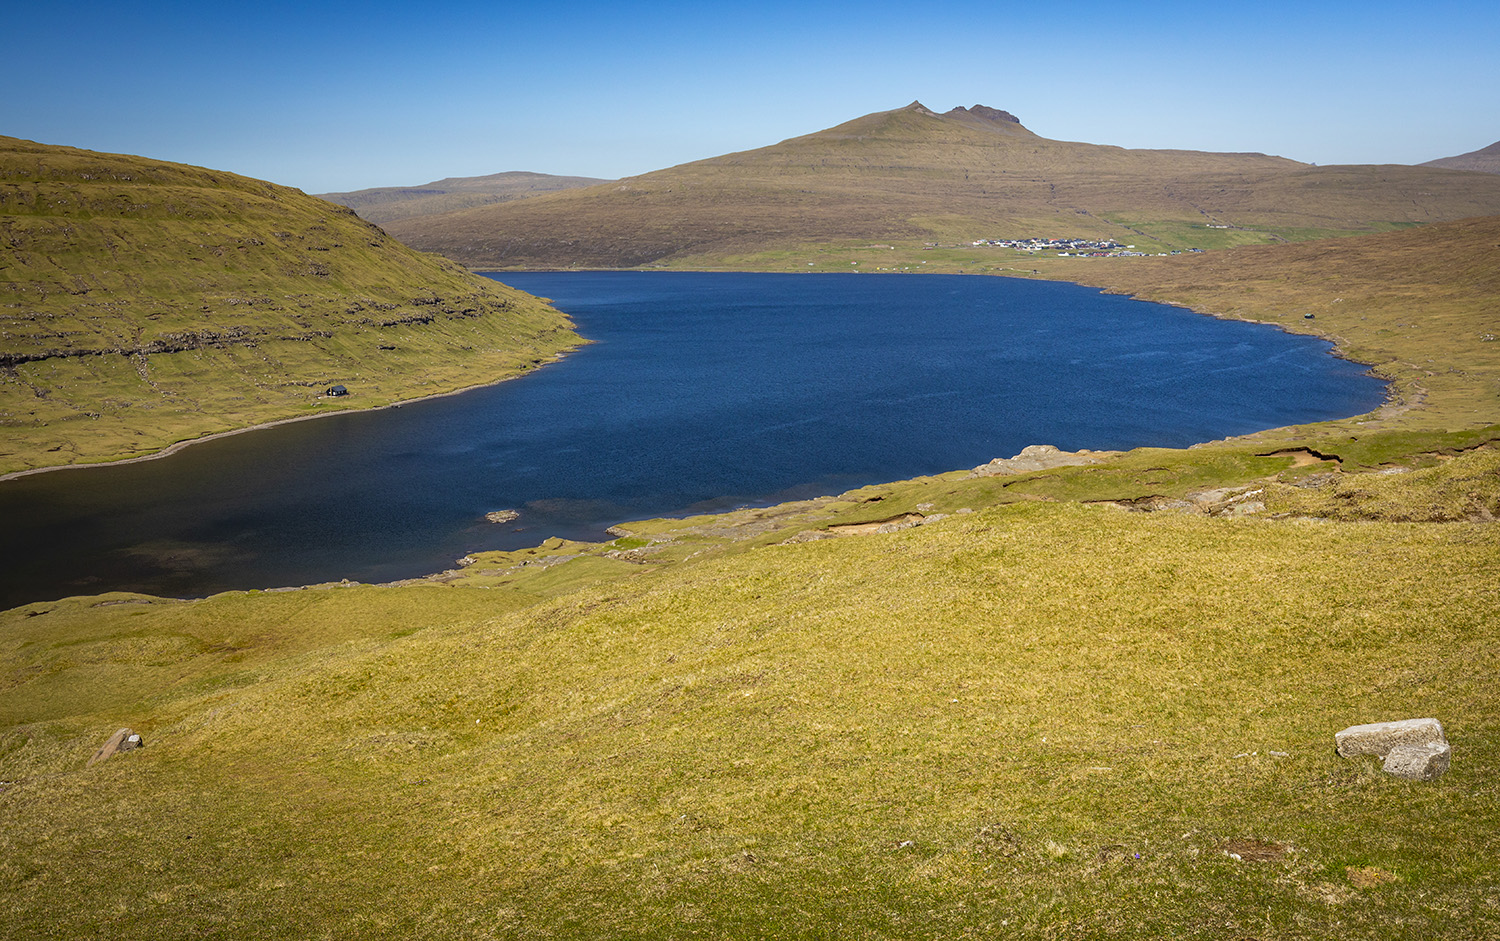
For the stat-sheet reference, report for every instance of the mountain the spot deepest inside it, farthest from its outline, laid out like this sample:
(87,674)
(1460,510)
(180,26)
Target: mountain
(1484,160)
(144,303)
(913,175)
(386,204)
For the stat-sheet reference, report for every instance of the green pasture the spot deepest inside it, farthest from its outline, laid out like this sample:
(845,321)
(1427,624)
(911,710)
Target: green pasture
(1041,718)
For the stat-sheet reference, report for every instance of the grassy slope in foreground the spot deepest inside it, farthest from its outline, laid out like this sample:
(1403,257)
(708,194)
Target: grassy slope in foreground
(144,303)
(1038,719)
(1047,717)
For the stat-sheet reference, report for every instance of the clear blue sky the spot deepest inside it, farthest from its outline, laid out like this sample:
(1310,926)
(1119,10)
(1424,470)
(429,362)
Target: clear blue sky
(331,96)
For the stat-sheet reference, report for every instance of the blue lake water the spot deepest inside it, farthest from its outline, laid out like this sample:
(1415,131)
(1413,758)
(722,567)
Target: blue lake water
(701,392)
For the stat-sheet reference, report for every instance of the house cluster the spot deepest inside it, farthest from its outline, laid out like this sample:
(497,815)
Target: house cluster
(1071,248)
(1061,246)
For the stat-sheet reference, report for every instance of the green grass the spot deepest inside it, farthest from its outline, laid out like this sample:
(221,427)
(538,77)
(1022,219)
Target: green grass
(1161,234)
(988,719)
(1036,714)
(1462,487)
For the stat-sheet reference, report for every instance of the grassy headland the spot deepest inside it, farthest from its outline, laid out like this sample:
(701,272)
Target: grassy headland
(1086,701)
(144,303)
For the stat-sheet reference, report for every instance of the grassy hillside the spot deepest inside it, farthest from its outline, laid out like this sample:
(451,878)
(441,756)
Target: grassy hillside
(389,203)
(1038,719)
(914,176)
(143,303)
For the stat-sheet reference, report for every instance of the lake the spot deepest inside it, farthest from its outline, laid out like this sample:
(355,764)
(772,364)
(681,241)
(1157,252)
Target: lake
(701,392)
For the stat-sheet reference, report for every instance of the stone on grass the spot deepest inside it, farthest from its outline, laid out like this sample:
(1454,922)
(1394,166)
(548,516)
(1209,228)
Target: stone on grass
(122,740)
(1038,457)
(1378,738)
(1418,762)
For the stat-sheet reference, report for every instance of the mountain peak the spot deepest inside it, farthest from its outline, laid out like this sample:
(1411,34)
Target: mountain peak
(986,112)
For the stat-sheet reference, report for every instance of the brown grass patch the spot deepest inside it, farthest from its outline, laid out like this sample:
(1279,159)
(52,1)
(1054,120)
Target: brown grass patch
(1255,851)
(1368,877)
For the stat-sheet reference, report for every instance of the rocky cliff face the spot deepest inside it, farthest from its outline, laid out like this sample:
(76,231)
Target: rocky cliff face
(989,114)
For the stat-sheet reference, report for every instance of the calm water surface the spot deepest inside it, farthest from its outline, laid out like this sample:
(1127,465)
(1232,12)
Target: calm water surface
(702,392)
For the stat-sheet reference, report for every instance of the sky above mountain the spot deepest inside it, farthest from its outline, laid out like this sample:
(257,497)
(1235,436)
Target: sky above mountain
(337,96)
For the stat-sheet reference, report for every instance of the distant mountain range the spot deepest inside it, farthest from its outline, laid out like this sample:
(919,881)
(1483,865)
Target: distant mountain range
(1485,160)
(389,203)
(914,175)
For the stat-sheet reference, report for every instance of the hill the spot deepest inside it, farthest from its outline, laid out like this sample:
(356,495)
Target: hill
(912,175)
(144,303)
(387,204)
(1484,160)
(1070,702)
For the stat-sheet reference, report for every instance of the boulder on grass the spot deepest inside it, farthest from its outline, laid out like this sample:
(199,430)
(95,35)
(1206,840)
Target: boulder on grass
(1378,738)
(1418,762)
(122,740)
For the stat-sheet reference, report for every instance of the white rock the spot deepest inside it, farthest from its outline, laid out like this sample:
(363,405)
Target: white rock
(1378,738)
(1418,762)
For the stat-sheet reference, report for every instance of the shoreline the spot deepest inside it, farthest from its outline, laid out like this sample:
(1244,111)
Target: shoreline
(1393,400)
(173,448)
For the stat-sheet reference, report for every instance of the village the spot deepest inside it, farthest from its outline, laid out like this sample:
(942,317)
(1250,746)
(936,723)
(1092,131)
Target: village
(1071,248)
